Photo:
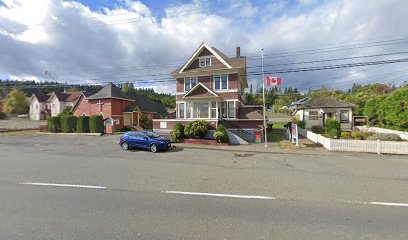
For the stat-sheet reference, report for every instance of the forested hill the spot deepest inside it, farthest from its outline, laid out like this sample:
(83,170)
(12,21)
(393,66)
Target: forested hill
(30,87)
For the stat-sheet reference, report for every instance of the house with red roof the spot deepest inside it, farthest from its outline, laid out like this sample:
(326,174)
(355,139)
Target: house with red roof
(209,87)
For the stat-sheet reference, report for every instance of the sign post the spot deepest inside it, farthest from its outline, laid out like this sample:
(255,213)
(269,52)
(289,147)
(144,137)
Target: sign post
(295,135)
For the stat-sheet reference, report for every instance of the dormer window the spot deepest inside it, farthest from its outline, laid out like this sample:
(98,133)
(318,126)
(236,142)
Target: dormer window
(205,61)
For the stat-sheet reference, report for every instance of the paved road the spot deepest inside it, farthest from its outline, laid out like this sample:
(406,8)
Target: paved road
(338,196)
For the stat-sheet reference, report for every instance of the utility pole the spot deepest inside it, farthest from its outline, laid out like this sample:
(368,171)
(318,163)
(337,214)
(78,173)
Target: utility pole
(263,96)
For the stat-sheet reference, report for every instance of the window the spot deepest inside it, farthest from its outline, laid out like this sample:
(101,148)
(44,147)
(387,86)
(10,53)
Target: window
(189,83)
(188,110)
(181,110)
(36,106)
(205,61)
(221,82)
(231,109)
(344,116)
(313,115)
(213,109)
(224,109)
(203,109)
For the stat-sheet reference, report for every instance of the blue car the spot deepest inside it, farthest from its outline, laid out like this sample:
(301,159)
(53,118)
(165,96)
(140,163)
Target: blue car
(144,139)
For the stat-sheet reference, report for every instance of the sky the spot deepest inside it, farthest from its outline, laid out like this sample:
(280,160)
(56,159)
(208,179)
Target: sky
(101,41)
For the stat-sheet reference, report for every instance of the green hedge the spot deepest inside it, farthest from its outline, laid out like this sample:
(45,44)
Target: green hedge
(197,128)
(54,124)
(332,128)
(385,137)
(68,123)
(3,115)
(96,124)
(317,129)
(177,133)
(83,124)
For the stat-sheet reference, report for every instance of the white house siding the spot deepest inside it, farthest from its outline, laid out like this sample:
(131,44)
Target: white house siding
(305,113)
(310,123)
(55,106)
(35,109)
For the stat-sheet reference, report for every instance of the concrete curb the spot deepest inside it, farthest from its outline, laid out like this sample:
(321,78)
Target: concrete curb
(274,151)
(72,134)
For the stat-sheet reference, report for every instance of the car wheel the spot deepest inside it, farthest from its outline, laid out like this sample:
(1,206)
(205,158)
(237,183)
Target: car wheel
(125,146)
(153,148)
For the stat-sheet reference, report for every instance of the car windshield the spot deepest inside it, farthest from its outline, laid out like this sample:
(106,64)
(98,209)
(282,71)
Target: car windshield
(152,134)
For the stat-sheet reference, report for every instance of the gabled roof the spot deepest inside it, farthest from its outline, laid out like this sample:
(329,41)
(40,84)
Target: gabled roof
(110,91)
(143,104)
(324,102)
(198,51)
(200,91)
(66,96)
(41,97)
(251,112)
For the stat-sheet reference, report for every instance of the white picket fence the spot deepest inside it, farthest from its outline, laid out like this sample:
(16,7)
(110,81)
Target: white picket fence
(345,145)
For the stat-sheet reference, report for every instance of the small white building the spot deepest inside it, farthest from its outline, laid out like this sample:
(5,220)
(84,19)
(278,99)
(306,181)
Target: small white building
(43,106)
(316,111)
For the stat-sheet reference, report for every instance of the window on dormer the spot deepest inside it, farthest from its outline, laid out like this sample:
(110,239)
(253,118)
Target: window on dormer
(205,61)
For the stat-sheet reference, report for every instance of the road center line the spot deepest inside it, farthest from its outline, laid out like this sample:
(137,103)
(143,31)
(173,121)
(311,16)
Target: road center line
(220,195)
(63,185)
(389,204)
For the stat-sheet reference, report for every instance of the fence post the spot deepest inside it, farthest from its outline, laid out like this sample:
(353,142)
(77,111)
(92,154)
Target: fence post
(378,146)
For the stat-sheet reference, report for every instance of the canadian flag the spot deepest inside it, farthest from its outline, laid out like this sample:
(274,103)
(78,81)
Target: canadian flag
(273,81)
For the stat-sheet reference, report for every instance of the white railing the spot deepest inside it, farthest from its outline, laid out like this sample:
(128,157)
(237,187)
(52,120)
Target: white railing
(345,145)
(403,135)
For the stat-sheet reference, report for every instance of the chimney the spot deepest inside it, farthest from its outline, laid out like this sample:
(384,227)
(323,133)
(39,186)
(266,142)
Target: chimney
(238,52)
(65,90)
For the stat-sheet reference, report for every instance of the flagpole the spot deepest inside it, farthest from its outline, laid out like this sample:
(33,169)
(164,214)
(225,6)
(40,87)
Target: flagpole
(263,97)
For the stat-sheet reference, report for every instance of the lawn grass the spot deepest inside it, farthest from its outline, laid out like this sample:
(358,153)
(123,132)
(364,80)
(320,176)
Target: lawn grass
(19,133)
(277,134)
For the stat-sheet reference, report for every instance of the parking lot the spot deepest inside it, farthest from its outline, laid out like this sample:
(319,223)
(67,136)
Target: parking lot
(66,187)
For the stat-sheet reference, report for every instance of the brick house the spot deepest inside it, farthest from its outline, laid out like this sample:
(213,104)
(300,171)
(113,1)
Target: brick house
(118,109)
(209,86)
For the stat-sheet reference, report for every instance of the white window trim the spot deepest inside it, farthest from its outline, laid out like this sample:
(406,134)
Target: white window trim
(205,61)
(191,87)
(220,90)
(184,110)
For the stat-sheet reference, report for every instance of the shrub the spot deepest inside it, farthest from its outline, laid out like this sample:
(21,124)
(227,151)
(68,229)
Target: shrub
(196,128)
(221,134)
(361,135)
(146,121)
(317,129)
(301,124)
(68,123)
(177,133)
(332,128)
(3,115)
(54,124)
(83,124)
(96,124)
(345,135)
(385,137)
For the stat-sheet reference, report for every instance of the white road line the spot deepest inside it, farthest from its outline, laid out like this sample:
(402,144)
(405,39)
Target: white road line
(389,204)
(220,195)
(63,185)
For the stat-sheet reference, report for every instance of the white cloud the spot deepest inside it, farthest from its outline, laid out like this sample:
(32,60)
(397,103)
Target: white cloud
(75,43)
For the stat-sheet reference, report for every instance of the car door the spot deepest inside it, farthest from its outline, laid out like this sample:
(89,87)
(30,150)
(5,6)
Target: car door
(132,139)
(143,140)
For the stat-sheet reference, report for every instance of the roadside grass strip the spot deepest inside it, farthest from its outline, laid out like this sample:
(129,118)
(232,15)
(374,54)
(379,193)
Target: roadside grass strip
(220,195)
(63,185)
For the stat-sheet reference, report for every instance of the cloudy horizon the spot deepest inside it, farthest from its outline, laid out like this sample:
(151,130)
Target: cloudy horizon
(95,42)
